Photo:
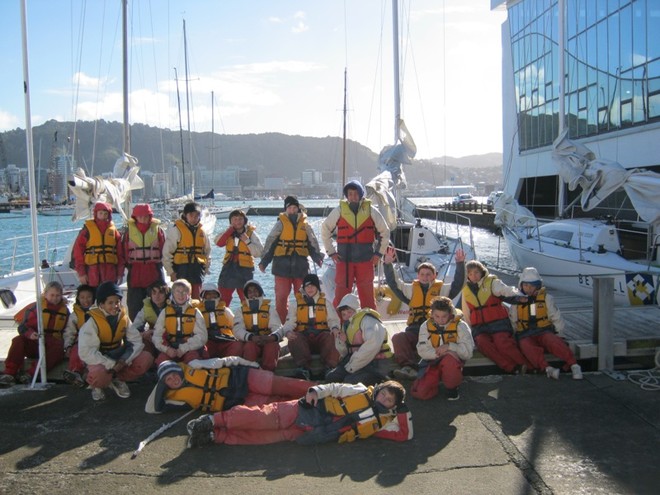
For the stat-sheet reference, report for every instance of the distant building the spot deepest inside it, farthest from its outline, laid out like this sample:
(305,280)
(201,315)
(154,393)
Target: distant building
(310,177)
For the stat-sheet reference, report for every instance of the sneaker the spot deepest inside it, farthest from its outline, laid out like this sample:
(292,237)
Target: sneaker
(452,394)
(98,394)
(73,378)
(405,373)
(203,423)
(7,380)
(577,372)
(303,374)
(552,372)
(24,378)
(120,388)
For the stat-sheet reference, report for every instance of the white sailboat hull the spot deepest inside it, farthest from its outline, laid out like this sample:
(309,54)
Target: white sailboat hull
(573,269)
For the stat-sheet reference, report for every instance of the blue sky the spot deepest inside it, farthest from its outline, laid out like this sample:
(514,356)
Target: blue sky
(273,65)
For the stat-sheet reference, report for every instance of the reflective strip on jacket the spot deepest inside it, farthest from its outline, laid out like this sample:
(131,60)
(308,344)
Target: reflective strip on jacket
(355,229)
(178,329)
(238,251)
(527,324)
(202,388)
(484,306)
(143,248)
(260,327)
(446,335)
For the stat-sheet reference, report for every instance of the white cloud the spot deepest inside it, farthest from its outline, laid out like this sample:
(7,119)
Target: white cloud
(301,27)
(88,82)
(9,121)
(275,20)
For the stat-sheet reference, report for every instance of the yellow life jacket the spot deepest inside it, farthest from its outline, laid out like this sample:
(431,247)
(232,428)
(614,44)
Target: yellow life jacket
(354,337)
(150,311)
(420,303)
(239,250)
(541,320)
(108,338)
(101,248)
(263,318)
(202,388)
(82,315)
(143,248)
(446,335)
(319,313)
(484,306)
(292,239)
(190,248)
(368,421)
(54,320)
(217,321)
(178,329)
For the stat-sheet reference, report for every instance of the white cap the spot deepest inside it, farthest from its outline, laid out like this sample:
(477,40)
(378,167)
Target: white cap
(349,300)
(530,275)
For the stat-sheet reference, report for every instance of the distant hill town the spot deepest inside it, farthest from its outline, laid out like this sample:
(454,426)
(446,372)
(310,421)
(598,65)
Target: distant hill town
(228,163)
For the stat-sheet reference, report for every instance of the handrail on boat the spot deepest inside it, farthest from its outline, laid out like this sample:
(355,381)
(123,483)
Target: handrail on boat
(47,250)
(467,221)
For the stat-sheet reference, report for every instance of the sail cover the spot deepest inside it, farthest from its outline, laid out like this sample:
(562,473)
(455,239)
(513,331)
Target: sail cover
(598,178)
(382,189)
(115,190)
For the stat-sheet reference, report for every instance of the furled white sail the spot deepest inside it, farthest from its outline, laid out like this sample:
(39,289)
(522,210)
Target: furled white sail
(598,178)
(115,190)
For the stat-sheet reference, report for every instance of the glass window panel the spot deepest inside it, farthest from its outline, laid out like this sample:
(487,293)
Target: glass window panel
(612,5)
(639,32)
(639,103)
(592,109)
(571,18)
(591,12)
(614,65)
(582,99)
(601,46)
(602,120)
(548,92)
(582,123)
(654,106)
(626,114)
(653,26)
(614,102)
(541,118)
(581,16)
(534,130)
(626,38)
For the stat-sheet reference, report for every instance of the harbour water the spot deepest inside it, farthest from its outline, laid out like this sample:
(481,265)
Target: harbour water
(490,248)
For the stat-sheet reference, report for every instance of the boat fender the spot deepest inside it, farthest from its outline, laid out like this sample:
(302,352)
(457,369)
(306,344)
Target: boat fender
(395,303)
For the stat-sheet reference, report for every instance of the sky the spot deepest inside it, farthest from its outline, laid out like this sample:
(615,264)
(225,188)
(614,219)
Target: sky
(272,65)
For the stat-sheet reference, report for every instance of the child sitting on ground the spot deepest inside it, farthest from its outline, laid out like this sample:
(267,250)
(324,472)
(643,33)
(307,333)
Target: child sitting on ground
(85,296)
(538,325)
(445,344)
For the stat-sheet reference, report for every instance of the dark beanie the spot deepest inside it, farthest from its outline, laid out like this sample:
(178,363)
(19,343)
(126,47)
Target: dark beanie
(107,289)
(191,208)
(291,201)
(313,279)
(169,367)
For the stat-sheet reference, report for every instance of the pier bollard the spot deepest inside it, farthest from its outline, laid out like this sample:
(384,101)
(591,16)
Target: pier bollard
(603,334)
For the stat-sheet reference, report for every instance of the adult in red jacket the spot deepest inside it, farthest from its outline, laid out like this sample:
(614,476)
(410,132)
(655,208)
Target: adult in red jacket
(98,253)
(142,242)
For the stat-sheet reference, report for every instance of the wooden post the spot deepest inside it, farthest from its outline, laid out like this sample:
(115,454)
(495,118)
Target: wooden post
(603,333)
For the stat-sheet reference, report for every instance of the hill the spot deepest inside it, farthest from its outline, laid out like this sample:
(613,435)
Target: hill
(275,155)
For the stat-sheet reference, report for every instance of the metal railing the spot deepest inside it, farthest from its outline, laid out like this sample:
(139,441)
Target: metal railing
(52,248)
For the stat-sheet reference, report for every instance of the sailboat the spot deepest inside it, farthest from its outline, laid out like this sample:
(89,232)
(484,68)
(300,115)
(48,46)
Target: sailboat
(413,241)
(610,227)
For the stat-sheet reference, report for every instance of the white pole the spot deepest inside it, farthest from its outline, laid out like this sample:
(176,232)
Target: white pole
(561,193)
(33,194)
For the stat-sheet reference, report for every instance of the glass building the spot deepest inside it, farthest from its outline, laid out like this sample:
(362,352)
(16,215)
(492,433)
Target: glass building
(611,84)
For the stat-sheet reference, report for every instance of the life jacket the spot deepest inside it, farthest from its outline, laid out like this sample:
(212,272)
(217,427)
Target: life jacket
(319,313)
(293,239)
(55,319)
(355,229)
(420,303)
(178,329)
(354,337)
(484,306)
(367,419)
(202,388)
(190,248)
(150,311)
(108,338)
(143,248)
(101,248)
(263,318)
(528,324)
(82,315)
(446,335)
(238,251)
(217,321)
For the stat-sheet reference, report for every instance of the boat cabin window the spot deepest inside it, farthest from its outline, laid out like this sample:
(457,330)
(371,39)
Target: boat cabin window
(558,235)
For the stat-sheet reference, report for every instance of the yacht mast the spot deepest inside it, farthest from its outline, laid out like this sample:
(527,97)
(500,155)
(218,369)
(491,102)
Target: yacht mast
(127,132)
(395,56)
(190,151)
(343,155)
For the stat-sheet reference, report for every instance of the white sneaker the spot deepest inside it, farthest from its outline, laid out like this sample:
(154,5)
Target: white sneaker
(552,372)
(120,388)
(405,373)
(577,372)
(98,394)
